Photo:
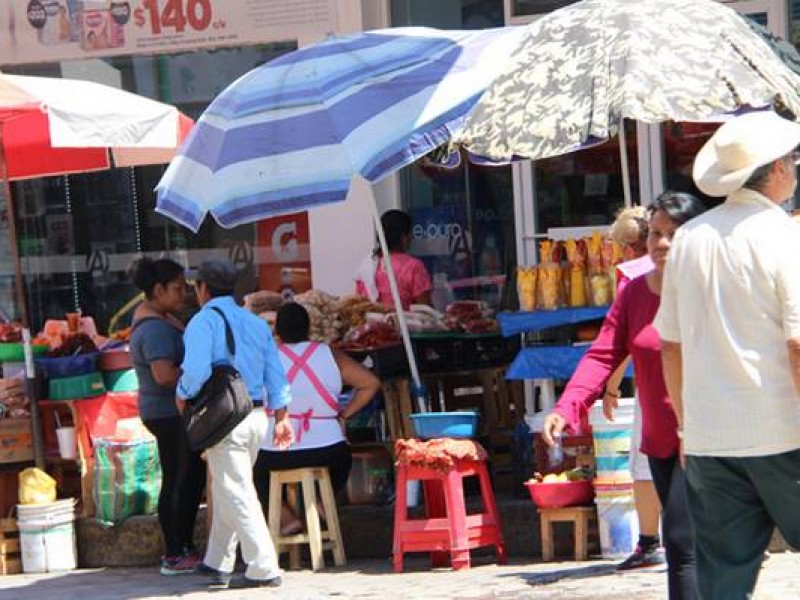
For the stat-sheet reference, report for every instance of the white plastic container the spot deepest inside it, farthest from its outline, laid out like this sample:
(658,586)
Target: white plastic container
(617,523)
(47,536)
(66,442)
(612,440)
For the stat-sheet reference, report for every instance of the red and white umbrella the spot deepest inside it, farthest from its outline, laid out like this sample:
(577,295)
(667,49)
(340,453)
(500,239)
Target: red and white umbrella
(52,126)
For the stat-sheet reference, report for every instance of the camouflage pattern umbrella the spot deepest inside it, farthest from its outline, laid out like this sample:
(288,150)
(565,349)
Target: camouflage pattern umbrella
(581,70)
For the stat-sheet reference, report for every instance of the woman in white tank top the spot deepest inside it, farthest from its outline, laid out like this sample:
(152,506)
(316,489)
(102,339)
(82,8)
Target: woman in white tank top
(317,375)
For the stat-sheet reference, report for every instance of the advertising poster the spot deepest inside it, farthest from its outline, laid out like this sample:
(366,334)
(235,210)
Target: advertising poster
(284,258)
(34,31)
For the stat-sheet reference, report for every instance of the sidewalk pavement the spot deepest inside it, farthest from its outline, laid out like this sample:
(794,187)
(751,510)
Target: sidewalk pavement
(362,580)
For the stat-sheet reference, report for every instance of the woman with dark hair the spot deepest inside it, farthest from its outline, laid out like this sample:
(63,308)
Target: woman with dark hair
(316,375)
(157,351)
(628,331)
(413,280)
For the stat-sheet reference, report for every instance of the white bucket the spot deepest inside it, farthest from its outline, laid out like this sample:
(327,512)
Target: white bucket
(66,442)
(617,524)
(612,439)
(47,536)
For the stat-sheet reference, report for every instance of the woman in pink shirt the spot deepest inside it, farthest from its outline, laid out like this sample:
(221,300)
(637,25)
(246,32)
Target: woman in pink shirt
(413,281)
(628,330)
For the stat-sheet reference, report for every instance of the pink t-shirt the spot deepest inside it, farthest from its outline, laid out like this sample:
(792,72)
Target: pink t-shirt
(627,330)
(412,280)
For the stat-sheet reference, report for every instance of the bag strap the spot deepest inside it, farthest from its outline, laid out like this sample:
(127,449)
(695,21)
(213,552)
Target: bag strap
(231,341)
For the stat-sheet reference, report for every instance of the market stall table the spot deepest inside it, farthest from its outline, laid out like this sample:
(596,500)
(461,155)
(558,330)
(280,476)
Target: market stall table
(93,418)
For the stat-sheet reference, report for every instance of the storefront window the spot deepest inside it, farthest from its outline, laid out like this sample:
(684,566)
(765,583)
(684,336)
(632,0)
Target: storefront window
(529,8)
(448,14)
(682,142)
(584,188)
(463,218)
(78,234)
(463,228)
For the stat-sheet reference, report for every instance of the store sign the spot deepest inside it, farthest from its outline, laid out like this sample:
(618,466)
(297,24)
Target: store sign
(35,31)
(286,240)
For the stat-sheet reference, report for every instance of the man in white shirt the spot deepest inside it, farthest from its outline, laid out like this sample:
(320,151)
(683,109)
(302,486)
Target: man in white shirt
(730,329)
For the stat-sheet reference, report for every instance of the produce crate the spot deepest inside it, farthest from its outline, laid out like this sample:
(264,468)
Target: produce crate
(16,440)
(10,551)
(386,362)
(449,352)
(486,351)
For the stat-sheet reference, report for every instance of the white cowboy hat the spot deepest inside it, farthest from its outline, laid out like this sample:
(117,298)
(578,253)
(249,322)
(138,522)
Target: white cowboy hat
(739,147)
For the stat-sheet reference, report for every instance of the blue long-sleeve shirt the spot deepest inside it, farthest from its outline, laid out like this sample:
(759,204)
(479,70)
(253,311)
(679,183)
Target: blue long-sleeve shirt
(256,353)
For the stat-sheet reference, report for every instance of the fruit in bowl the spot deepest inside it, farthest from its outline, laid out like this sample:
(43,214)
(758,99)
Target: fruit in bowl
(576,474)
(558,490)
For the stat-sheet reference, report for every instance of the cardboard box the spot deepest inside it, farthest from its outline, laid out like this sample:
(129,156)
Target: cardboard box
(16,440)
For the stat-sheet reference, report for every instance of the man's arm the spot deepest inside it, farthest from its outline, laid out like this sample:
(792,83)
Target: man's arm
(198,357)
(279,394)
(794,360)
(672,362)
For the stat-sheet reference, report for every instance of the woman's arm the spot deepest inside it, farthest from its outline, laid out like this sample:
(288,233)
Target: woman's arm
(165,372)
(366,385)
(605,355)
(423,298)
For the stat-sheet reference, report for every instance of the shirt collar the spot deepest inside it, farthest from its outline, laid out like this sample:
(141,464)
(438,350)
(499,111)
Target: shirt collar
(748,196)
(220,301)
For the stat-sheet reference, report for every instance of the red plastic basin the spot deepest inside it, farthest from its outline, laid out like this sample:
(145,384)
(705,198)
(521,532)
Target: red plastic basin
(560,495)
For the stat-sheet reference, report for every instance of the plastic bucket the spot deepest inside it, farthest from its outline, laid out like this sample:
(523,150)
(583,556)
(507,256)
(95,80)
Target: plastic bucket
(47,536)
(617,523)
(612,439)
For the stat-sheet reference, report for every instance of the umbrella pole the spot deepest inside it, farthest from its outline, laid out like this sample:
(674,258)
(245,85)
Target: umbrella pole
(19,288)
(623,155)
(401,316)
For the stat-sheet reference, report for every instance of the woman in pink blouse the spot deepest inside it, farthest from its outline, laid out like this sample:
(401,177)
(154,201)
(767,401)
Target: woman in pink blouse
(628,330)
(413,281)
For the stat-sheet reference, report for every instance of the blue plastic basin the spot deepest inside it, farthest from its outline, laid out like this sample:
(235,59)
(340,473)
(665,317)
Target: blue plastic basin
(445,424)
(69,366)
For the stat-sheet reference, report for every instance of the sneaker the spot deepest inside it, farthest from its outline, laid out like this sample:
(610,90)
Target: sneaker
(178,565)
(217,579)
(649,557)
(246,582)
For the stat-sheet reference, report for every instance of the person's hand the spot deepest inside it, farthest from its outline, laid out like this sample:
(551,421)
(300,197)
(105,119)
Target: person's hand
(283,434)
(554,425)
(610,404)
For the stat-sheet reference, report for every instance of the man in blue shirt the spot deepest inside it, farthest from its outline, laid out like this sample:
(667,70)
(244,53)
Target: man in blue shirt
(237,513)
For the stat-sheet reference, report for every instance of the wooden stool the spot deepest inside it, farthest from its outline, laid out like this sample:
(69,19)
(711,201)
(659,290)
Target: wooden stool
(317,539)
(579,516)
(447,531)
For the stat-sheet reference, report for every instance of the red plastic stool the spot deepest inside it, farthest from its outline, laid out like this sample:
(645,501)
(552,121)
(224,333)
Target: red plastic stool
(447,529)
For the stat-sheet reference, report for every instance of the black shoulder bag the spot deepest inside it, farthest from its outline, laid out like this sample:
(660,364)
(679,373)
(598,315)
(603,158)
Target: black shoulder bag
(221,404)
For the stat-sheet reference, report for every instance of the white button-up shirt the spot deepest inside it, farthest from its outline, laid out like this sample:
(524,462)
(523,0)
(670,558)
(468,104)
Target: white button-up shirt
(731,298)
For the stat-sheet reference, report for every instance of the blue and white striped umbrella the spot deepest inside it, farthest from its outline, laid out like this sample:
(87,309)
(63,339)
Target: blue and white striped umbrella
(290,135)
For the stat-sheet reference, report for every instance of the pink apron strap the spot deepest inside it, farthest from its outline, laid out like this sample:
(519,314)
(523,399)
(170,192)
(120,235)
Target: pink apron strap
(300,363)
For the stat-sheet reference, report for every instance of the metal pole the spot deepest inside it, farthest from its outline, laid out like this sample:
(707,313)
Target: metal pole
(19,287)
(401,317)
(623,155)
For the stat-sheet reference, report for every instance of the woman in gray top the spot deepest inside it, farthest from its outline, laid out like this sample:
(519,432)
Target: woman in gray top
(157,351)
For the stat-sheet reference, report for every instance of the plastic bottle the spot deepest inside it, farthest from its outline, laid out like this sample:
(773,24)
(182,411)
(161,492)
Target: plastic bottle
(441,295)
(555,453)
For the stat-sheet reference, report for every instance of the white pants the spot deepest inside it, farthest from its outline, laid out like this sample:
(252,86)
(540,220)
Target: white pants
(237,514)
(640,466)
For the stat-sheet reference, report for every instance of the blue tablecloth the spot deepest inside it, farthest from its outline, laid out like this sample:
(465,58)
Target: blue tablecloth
(548,362)
(512,323)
